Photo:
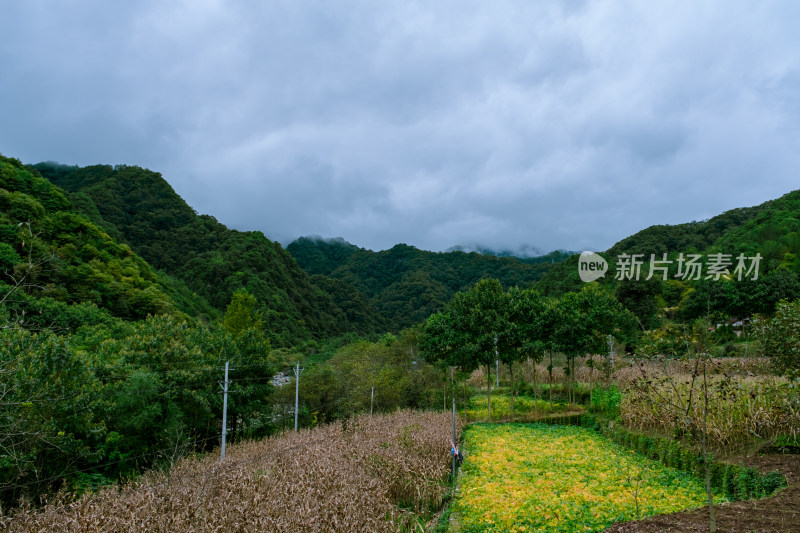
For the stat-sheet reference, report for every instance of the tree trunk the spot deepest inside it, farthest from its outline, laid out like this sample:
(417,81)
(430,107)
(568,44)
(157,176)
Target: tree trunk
(489,391)
(712,520)
(550,372)
(570,360)
(574,379)
(466,400)
(511,372)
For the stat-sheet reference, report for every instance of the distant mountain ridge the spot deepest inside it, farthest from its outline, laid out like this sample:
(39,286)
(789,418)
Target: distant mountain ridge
(526,254)
(403,284)
(142,209)
(770,231)
(340,288)
(318,288)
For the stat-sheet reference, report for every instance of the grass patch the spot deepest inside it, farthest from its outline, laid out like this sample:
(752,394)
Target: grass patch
(525,408)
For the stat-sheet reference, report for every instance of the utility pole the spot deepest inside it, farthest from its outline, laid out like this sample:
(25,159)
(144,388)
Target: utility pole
(371,399)
(296,393)
(224,385)
(452,387)
(454,439)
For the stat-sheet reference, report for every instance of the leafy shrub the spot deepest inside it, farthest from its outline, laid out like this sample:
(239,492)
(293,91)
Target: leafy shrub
(606,402)
(779,337)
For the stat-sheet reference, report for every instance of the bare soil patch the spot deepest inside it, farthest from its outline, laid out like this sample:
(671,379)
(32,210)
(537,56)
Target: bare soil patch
(778,513)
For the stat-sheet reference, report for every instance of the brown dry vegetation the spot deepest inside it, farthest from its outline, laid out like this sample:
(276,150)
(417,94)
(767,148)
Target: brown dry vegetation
(747,406)
(366,474)
(745,410)
(623,373)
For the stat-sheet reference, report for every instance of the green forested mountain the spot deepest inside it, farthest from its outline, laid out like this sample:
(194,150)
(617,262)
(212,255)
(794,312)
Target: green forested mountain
(687,237)
(62,259)
(771,230)
(340,288)
(403,285)
(140,208)
(320,288)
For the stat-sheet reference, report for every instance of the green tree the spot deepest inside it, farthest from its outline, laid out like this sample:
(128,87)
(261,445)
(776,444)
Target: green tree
(525,335)
(49,402)
(241,314)
(476,319)
(585,319)
(780,338)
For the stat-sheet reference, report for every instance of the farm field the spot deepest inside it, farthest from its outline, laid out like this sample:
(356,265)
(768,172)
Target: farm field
(776,514)
(533,477)
(372,473)
(525,408)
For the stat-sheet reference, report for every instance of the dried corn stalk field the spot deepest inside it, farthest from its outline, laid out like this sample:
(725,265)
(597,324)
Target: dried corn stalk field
(365,474)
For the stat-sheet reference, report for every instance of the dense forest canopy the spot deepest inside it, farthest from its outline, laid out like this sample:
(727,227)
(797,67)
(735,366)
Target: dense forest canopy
(61,257)
(403,285)
(141,209)
(312,289)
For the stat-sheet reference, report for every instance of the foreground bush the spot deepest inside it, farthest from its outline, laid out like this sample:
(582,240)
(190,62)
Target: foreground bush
(364,474)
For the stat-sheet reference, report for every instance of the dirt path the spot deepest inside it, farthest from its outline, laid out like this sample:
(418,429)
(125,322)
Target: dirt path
(455,518)
(779,513)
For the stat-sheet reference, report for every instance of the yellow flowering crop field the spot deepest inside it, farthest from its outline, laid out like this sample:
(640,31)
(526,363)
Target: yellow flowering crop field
(541,478)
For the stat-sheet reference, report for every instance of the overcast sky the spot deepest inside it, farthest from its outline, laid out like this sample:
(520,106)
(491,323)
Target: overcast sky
(506,124)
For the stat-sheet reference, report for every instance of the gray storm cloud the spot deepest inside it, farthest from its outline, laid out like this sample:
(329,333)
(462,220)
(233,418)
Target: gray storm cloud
(507,125)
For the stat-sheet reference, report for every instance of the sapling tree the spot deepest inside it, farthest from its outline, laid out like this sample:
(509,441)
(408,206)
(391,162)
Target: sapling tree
(636,475)
(685,399)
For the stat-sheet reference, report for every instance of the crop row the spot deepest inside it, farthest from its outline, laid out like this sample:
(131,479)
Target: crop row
(739,411)
(533,477)
(364,474)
